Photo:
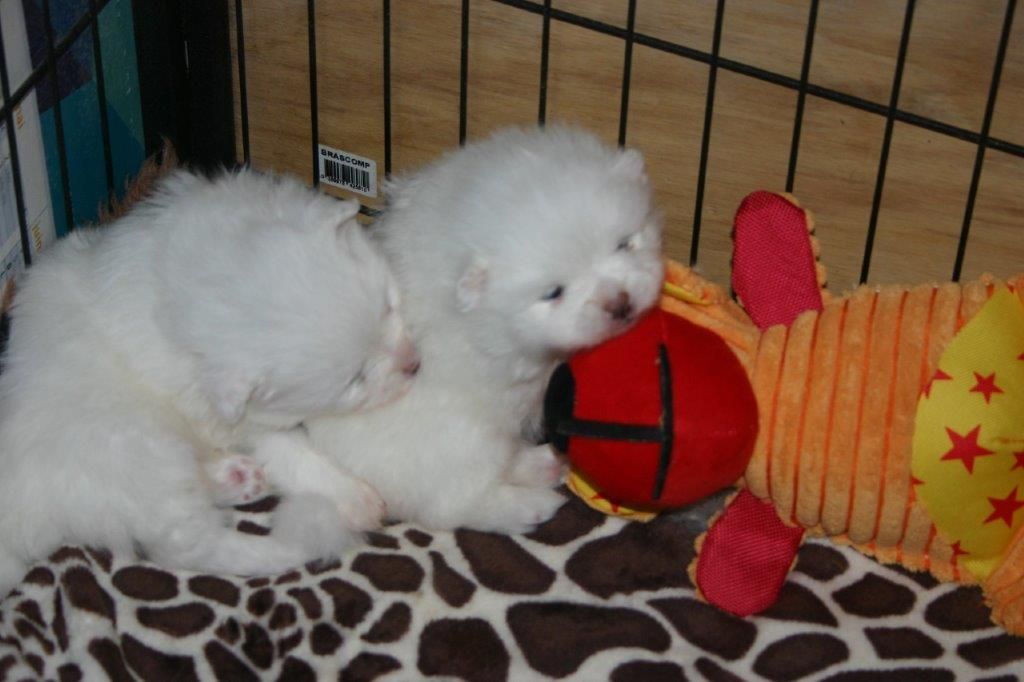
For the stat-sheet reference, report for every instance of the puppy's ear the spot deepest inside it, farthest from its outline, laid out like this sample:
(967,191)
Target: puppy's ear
(472,284)
(630,162)
(228,390)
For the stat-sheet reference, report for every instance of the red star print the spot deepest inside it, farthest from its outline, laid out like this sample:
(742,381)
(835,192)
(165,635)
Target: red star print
(957,552)
(914,482)
(1020,460)
(986,386)
(938,376)
(966,448)
(1021,356)
(1004,509)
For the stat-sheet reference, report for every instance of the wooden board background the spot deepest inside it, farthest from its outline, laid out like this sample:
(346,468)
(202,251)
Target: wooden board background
(948,70)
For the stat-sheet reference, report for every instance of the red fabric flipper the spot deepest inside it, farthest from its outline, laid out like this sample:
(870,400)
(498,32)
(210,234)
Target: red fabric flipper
(746,556)
(748,550)
(774,269)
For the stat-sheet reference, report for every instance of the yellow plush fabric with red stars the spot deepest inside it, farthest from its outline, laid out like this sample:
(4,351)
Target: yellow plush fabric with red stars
(968,457)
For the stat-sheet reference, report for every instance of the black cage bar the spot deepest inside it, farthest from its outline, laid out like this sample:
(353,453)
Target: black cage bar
(185,75)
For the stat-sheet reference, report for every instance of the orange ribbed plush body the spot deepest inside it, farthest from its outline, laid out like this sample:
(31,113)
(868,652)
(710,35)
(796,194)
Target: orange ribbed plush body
(837,393)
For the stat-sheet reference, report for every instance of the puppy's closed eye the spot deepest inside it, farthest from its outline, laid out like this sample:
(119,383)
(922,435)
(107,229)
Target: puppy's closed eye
(628,243)
(554,293)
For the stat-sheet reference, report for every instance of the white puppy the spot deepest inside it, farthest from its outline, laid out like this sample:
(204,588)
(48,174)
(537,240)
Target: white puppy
(208,318)
(511,254)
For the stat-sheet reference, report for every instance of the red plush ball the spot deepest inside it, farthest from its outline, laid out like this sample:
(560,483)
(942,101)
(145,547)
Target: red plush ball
(660,417)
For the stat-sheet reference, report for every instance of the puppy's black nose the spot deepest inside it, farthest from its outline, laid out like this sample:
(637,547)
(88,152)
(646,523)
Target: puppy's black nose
(620,307)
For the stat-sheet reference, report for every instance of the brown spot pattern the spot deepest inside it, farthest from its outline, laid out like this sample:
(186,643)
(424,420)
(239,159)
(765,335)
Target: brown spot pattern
(156,666)
(307,600)
(257,646)
(468,649)
(900,675)
(418,537)
(993,651)
(390,573)
(556,637)
(391,625)
(875,597)
(59,624)
(572,520)
(295,670)
(40,575)
(351,604)
(798,656)
(381,540)
(366,667)
(69,672)
(289,643)
(108,655)
(959,610)
(101,557)
(85,593)
(176,621)
(642,556)
(895,643)
(820,562)
(146,583)
(284,616)
(227,666)
(324,640)
(797,603)
(648,671)
(707,627)
(215,589)
(260,602)
(713,672)
(501,564)
(449,584)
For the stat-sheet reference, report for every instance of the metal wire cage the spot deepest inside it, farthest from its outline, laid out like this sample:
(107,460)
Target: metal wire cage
(194,68)
(624,38)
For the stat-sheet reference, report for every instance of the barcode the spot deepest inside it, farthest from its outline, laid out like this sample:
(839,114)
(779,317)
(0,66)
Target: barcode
(344,174)
(347,170)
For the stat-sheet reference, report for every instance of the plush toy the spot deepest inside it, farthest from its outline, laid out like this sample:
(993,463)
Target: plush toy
(891,418)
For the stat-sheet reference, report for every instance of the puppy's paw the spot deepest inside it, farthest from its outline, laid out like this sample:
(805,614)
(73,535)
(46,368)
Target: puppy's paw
(311,522)
(518,509)
(360,505)
(236,479)
(537,467)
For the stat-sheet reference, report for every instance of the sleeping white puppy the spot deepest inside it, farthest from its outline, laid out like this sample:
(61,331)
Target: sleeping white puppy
(211,317)
(511,254)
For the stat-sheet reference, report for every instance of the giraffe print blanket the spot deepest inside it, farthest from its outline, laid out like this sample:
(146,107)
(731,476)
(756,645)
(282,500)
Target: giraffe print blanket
(584,597)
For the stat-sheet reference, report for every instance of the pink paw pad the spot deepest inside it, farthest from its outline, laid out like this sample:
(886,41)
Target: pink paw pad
(237,479)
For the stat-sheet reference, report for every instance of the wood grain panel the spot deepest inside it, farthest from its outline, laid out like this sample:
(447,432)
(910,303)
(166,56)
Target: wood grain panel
(277,64)
(614,12)
(949,60)
(666,116)
(922,207)
(425,46)
(836,170)
(688,22)
(766,34)
(1008,121)
(996,243)
(585,79)
(750,140)
(948,71)
(350,82)
(504,67)
(855,47)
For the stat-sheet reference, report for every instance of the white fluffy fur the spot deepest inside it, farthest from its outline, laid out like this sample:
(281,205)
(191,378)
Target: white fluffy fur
(210,317)
(479,242)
